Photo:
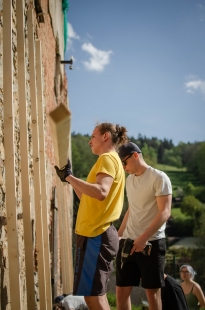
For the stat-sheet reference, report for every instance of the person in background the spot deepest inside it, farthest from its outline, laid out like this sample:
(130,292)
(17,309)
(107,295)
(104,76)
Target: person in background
(70,302)
(149,193)
(101,201)
(192,290)
(172,295)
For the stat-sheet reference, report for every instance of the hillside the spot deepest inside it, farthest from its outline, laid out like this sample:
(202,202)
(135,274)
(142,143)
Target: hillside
(179,177)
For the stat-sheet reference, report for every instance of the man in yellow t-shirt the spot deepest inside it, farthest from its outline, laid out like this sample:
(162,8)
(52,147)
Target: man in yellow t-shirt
(101,200)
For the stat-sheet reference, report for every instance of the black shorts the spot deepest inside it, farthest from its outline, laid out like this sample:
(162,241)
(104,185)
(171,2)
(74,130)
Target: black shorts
(138,267)
(94,260)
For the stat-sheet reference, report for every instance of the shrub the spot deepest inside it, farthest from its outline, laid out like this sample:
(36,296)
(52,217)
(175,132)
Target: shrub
(111,299)
(180,227)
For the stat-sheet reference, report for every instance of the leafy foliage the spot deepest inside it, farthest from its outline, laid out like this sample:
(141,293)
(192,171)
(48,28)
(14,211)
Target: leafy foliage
(155,151)
(179,224)
(200,162)
(193,207)
(111,297)
(172,158)
(180,227)
(82,157)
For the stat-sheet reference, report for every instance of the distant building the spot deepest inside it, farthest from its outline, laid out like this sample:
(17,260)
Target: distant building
(187,243)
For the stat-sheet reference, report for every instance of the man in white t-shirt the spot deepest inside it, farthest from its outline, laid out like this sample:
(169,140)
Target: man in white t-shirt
(149,193)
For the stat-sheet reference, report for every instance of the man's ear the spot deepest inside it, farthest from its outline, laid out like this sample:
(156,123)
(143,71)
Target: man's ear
(136,155)
(106,135)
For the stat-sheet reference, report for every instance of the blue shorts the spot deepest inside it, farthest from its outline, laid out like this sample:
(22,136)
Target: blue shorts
(94,260)
(138,268)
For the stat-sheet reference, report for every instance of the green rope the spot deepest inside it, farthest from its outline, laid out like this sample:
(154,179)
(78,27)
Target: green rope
(65,7)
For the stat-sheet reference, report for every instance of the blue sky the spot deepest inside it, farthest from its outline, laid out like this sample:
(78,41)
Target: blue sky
(140,64)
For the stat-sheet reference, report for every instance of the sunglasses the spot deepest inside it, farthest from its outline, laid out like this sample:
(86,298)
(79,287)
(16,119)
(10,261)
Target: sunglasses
(124,162)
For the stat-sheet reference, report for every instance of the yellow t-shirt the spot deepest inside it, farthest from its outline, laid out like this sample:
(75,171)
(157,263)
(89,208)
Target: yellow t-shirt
(94,216)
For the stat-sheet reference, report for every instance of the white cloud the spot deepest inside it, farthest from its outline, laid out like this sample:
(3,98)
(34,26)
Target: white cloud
(200,6)
(89,36)
(194,85)
(72,35)
(98,59)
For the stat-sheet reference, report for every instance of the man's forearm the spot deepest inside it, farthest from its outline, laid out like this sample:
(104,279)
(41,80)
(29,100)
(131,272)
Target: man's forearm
(164,210)
(158,221)
(78,193)
(92,190)
(98,190)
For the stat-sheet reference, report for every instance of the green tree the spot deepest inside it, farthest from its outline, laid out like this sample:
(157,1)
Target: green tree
(192,156)
(193,207)
(149,154)
(172,158)
(82,157)
(187,152)
(201,229)
(200,162)
(189,189)
(160,153)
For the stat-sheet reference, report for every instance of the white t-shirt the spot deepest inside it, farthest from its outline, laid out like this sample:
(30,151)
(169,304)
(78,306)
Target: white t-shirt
(74,302)
(141,192)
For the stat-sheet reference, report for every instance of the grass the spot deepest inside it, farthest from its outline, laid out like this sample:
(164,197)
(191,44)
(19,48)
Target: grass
(133,308)
(179,177)
(167,168)
(112,302)
(176,213)
(182,178)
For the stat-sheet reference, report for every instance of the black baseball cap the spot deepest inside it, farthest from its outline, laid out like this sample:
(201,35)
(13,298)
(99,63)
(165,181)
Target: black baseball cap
(127,149)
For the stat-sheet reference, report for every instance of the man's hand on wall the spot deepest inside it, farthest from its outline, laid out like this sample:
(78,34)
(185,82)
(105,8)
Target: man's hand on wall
(64,172)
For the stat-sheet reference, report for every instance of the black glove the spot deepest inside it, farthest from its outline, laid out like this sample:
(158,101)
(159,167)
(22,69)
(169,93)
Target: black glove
(64,172)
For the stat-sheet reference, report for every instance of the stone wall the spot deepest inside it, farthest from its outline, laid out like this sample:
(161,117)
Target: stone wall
(49,30)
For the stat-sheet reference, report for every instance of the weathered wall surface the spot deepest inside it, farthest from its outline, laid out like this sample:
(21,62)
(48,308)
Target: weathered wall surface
(50,33)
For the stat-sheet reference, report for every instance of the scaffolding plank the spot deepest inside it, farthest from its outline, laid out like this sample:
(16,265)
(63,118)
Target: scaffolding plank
(68,191)
(29,257)
(55,247)
(60,131)
(65,230)
(36,165)
(11,207)
(39,83)
(62,234)
(67,206)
